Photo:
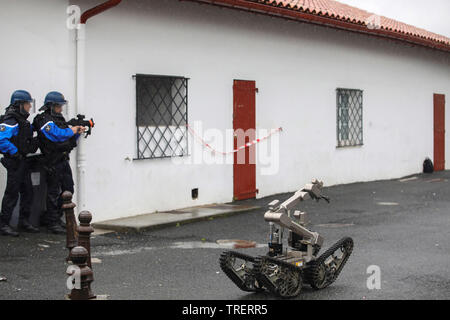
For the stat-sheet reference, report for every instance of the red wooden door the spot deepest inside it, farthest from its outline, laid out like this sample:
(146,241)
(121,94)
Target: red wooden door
(244,168)
(439,132)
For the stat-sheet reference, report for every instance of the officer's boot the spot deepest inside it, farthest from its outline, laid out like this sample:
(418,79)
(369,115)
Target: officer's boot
(56,228)
(24,225)
(6,230)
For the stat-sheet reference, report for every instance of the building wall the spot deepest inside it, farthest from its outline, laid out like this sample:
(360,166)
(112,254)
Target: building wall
(297,68)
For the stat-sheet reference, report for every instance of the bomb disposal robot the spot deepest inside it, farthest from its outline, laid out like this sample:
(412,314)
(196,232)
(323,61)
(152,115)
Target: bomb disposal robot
(283,271)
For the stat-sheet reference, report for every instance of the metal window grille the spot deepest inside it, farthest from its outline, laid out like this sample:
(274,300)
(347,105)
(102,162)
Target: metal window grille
(349,117)
(161,116)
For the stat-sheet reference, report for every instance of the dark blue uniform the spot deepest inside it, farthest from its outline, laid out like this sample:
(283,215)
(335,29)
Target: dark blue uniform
(56,140)
(16,141)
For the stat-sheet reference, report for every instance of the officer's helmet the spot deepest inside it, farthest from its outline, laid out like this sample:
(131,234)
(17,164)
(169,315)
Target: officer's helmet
(18,98)
(53,99)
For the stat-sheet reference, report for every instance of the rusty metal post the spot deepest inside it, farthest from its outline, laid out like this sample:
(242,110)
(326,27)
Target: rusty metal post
(71,224)
(79,257)
(84,233)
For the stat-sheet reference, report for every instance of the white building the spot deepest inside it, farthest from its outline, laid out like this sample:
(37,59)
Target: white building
(298,68)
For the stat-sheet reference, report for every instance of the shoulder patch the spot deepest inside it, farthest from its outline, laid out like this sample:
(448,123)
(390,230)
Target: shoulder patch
(2,127)
(48,128)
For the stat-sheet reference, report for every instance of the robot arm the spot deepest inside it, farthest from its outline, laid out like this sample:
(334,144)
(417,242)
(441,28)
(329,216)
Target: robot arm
(283,220)
(311,190)
(280,215)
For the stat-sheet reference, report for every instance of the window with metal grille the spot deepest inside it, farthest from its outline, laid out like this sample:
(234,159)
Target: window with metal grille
(161,116)
(349,117)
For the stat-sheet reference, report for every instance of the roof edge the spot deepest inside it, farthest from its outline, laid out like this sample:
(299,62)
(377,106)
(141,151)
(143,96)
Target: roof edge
(290,14)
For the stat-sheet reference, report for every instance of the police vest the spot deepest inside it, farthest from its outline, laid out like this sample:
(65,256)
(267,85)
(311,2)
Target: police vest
(49,147)
(23,141)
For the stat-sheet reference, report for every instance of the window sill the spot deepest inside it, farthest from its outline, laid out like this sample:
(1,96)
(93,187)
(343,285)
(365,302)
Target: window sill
(156,158)
(354,146)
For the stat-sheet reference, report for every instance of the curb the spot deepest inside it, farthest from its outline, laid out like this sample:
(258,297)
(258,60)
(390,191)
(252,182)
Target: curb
(124,228)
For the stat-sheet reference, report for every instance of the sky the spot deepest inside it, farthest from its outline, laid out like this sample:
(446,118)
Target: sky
(431,15)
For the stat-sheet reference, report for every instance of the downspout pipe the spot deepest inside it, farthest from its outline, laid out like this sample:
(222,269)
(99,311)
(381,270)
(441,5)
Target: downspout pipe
(80,107)
(98,9)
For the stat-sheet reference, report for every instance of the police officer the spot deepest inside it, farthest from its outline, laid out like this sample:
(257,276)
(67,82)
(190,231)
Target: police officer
(56,141)
(16,141)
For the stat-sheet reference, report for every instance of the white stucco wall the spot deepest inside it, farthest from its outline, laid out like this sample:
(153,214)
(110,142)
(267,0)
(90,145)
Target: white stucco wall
(297,68)
(36,52)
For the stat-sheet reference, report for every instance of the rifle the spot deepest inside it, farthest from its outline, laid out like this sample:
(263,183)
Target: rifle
(79,121)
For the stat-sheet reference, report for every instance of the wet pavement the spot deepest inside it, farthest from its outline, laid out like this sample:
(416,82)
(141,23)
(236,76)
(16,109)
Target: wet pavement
(400,226)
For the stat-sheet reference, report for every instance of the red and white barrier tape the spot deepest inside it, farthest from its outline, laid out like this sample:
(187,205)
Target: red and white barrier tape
(248,144)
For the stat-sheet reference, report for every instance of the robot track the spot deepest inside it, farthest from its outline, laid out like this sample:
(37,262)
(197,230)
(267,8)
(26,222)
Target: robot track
(280,278)
(324,270)
(239,268)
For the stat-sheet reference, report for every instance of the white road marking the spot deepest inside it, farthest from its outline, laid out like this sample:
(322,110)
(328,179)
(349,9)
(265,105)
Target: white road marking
(387,203)
(175,245)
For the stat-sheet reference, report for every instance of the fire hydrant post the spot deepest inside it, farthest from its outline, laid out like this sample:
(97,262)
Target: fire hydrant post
(71,224)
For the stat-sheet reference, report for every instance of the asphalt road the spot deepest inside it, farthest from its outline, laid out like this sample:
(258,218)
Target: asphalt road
(402,227)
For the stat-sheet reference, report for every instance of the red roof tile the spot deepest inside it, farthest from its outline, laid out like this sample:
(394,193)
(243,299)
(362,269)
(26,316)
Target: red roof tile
(337,13)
